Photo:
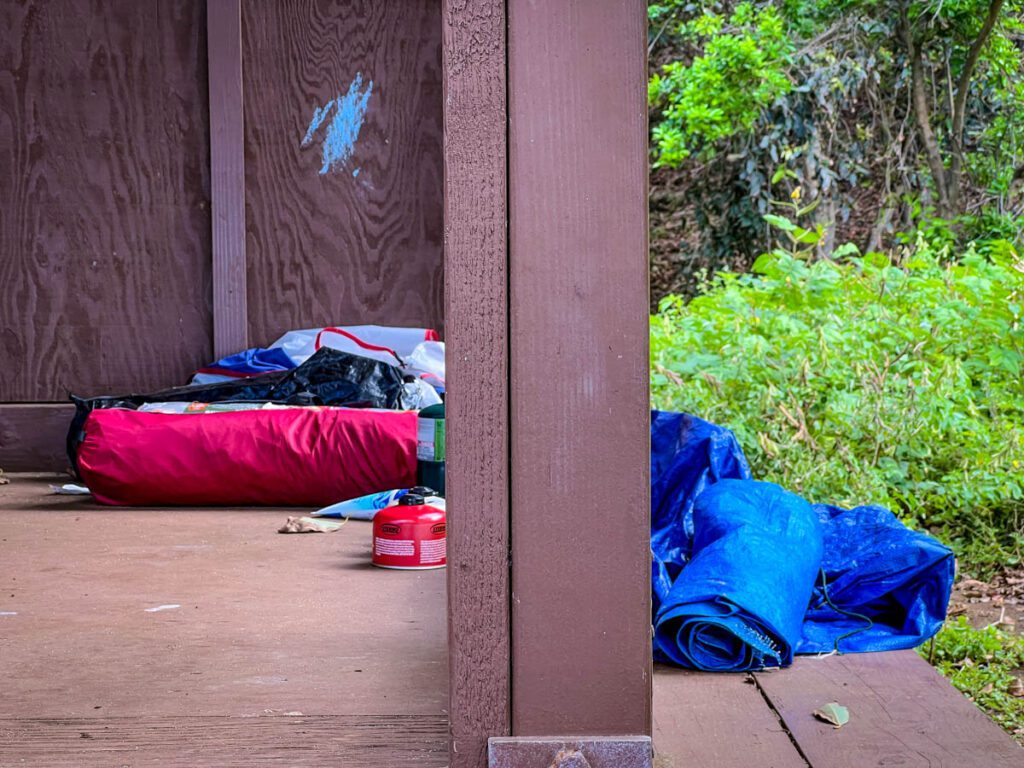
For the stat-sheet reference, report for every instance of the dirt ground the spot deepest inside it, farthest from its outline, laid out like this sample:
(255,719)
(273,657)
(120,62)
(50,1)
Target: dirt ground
(999,601)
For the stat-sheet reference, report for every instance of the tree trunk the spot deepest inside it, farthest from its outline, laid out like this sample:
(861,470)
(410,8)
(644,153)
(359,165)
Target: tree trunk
(922,115)
(963,88)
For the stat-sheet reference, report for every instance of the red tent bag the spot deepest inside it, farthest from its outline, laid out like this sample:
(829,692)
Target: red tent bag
(306,457)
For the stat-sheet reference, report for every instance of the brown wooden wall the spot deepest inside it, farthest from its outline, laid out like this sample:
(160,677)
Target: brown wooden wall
(104,196)
(109,279)
(362,241)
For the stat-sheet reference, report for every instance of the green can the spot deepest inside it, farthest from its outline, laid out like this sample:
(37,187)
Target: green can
(430,448)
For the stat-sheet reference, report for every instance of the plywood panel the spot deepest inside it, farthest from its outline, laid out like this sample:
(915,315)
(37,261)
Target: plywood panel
(477,407)
(580,510)
(104,196)
(33,437)
(358,239)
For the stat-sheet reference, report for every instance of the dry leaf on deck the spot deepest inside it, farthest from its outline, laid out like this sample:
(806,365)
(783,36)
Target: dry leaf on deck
(835,714)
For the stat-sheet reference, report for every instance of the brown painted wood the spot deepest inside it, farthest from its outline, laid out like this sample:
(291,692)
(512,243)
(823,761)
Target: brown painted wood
(361,243)
(104,196)
(32,437)
(226,742)
(267,621)
(716,720)
(269,626)
(571,752)
(477,376)
(581,648)
(901,713)
(227,176)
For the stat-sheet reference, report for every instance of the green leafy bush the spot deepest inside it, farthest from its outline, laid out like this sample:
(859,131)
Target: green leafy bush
(983,664)
(723,91)
(868,381)
(896,117)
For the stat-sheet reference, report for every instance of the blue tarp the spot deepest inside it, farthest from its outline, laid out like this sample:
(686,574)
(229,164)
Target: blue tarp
(745,574)
(251,362)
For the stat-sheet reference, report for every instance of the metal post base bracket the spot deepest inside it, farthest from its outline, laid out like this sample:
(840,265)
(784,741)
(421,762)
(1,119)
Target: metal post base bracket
(569,752)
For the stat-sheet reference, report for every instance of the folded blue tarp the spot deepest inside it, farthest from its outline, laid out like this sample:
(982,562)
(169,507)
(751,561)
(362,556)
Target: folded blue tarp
(876,568)
(739,603)
(687,455)
(250,362)
(745,574)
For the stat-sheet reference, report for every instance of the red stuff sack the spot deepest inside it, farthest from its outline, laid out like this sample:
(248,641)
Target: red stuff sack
(307,457)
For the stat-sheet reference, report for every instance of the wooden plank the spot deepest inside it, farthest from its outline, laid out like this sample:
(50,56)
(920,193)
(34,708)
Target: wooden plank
(716,720)
(104,197)
(225,742)
(901,713)
(581,648)
(476,307)
(266,622)
(360,242)
(285,650)
(33,437)
(227,176)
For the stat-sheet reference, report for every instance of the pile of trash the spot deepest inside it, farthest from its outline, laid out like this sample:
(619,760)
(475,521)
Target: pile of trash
(746,574)
(321,415)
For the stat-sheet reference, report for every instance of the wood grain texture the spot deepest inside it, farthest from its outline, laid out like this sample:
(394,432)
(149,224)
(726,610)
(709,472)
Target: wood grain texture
(901,713)
(104,196)
(32,437)
(581,647)
(225,742)
(476,302)
(341,248)
(268,626)
(723,721)
(267,622)
(227,172)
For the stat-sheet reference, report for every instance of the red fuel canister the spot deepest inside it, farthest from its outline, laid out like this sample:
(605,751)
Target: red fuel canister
(409,536)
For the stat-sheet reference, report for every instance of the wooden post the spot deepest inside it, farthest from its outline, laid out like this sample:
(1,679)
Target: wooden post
(476,318)
(227,176)
(580,435)
(548,411)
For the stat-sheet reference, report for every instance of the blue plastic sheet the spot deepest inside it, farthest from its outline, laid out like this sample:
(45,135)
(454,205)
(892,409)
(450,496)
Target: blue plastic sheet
(745,574)
(687,455)
(739,604)
(251,362)
(876,567)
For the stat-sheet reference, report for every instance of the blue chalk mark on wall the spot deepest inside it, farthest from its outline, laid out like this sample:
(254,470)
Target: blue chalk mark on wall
(340,136)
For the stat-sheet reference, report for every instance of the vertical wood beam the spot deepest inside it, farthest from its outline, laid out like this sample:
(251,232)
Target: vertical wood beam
(476,320)
(580,435)
(227,175)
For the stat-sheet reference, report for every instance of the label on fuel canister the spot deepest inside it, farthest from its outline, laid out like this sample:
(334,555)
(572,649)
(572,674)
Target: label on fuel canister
(430,439)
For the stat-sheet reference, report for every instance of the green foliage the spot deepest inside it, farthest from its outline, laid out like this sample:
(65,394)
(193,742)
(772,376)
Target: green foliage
(867,381)
(725,89)
(824,90)
(982,664)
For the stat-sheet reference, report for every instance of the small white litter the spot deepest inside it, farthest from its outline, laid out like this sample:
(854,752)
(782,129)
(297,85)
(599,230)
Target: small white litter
(157,608)
(70,489)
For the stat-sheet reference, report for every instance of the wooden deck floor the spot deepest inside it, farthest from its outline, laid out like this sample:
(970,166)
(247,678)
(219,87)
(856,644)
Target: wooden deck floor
(293,651)
(286,650)
(902,713)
